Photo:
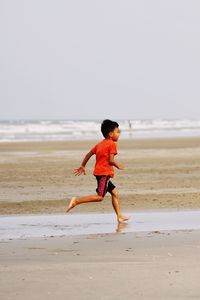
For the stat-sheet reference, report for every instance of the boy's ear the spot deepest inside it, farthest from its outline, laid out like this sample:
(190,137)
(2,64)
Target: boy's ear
(110,134)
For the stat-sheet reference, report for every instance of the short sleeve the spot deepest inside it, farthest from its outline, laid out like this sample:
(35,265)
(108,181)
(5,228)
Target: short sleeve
(94,149)
(113,148)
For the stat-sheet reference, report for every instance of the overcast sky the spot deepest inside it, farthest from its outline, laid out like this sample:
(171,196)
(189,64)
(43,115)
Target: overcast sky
(92,59)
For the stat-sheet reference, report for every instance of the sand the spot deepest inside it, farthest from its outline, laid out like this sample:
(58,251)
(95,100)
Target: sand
(152,265)
(37,178)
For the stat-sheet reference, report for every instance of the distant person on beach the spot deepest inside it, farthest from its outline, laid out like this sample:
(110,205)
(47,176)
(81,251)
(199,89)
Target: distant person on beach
(130,127)
(105,152)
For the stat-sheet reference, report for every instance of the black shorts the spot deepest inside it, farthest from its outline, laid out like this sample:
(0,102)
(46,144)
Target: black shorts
(104,185)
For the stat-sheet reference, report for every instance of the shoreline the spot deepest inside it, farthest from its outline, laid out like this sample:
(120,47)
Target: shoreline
(89,140)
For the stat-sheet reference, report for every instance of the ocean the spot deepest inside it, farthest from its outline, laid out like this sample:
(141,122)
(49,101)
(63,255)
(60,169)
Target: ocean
(58,130)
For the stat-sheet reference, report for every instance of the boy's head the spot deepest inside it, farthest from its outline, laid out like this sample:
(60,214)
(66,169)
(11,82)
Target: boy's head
(110,129)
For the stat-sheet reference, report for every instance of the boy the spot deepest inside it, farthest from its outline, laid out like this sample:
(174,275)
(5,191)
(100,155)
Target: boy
(105,152)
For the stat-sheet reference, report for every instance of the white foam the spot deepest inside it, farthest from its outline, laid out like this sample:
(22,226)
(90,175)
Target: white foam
(63,130)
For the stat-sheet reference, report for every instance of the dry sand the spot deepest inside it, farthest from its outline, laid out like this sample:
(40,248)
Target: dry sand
(158,174)
(38,177)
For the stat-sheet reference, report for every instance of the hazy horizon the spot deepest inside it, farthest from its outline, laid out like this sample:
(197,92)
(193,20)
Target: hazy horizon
(91,60)
(95,119)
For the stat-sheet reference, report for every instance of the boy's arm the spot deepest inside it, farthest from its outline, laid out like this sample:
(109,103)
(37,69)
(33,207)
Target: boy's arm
(81,169)
(112,162)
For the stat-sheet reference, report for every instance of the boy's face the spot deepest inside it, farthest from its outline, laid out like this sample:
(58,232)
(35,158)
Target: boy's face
(114,135)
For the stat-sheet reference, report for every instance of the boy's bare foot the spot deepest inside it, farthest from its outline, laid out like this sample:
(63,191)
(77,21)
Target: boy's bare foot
(71,204)
(122,219)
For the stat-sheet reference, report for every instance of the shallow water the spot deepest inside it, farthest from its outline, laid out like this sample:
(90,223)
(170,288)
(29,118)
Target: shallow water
(29,226)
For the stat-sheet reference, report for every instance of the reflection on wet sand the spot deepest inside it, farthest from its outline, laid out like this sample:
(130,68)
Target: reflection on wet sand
(121,227)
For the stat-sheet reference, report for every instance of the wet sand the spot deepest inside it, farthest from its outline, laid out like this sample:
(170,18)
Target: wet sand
(37,178)
(53,225)
(150,265)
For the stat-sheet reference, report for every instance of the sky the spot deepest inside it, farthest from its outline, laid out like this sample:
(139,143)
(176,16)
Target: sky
(89,59)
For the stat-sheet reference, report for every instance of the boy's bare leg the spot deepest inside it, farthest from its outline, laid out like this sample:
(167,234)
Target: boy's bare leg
(76,201)
(115,203)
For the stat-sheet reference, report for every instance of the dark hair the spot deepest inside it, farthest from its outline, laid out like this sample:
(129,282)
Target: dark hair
(108,126)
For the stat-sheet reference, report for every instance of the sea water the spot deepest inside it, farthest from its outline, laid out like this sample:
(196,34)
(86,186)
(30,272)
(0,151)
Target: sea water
(55,130)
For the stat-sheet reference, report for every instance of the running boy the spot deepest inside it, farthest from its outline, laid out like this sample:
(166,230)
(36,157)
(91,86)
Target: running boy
(105,152)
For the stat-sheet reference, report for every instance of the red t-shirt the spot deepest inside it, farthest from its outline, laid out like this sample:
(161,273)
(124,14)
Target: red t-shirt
(103,151)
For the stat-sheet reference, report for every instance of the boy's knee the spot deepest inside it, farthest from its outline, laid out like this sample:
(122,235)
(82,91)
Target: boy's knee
(115,192)
(100,198)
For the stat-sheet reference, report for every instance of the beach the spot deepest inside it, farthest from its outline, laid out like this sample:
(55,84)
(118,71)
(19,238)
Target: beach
(36,178)
(151,265)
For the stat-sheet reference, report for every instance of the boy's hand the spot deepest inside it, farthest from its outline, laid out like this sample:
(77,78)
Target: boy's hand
(120,166)
(79,171)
